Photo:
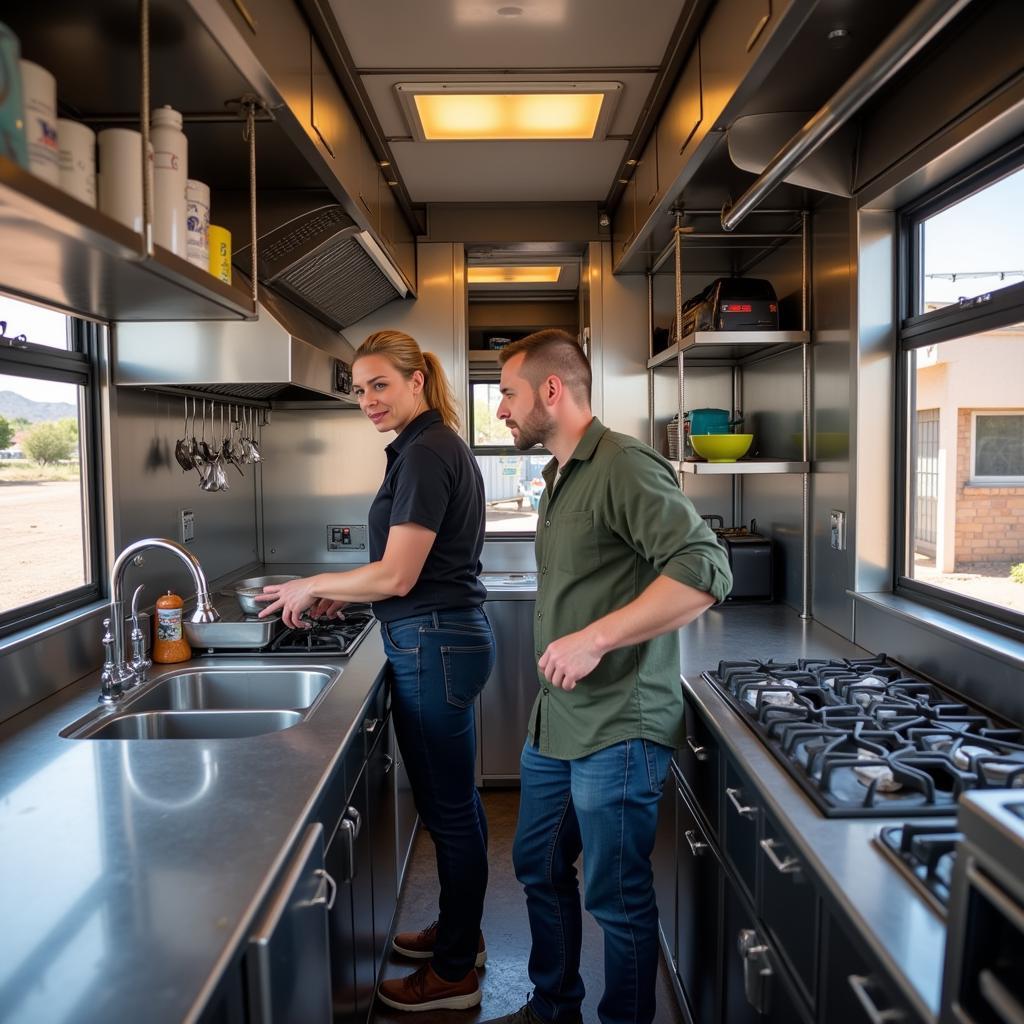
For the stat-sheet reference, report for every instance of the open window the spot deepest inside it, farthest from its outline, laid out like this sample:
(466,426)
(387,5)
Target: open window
(962,395)
(49,488)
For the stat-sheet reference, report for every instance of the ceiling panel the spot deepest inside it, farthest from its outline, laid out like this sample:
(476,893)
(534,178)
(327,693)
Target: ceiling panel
(510,172)
(471,34)
(381,90)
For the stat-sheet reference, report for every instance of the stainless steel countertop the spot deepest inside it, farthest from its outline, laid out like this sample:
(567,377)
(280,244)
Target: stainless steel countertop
(132,869)
(510,586)
(885,910)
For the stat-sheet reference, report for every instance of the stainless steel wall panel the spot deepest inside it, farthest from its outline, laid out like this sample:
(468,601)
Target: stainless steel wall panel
(832,323)
(509,556)
(150,488)
(873,448)
(322,466)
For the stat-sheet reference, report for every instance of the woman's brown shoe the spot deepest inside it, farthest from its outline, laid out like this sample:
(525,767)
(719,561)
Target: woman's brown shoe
(424,990)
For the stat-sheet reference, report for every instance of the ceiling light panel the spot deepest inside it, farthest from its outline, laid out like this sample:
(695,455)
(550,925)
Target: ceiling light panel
(493,111)
(513,275)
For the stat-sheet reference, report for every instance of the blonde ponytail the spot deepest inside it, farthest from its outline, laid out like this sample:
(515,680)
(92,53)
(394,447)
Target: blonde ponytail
(405,355)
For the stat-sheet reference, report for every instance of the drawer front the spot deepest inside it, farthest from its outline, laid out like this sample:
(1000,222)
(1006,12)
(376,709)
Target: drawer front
(740,827)
(700,764)
(789,907)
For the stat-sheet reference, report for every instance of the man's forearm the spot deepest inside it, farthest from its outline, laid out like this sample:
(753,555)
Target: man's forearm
(664,606)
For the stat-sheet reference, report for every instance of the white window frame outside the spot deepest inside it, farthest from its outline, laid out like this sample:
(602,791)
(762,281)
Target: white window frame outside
(990,481)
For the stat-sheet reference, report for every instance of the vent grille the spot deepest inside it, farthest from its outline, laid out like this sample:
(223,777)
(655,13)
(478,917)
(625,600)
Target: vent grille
(305,230)
(341,283)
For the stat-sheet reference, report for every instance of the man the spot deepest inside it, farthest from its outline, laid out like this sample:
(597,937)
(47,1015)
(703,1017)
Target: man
(623,562)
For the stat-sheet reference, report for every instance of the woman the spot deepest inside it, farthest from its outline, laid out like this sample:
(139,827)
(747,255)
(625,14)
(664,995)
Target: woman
(426,529)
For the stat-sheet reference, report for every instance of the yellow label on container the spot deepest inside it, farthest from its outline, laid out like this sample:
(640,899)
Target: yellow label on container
(220,253)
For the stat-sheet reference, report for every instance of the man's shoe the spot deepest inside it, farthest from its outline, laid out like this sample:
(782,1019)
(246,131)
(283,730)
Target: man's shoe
(524,1015)
(420,945)
(424,990)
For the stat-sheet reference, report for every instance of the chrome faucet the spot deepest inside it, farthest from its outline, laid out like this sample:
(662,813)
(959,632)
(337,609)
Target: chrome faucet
(118,673)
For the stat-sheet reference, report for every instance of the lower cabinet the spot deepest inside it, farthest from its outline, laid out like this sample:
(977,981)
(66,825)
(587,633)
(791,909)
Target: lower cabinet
(699,915)
(380,785)
(663,864)
(287,966)
(349,859)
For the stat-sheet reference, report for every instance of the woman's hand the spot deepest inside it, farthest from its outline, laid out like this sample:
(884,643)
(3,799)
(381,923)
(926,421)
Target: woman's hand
(292,598)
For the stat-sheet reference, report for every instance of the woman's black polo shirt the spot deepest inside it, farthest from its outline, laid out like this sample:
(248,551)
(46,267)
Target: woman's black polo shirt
(433,480)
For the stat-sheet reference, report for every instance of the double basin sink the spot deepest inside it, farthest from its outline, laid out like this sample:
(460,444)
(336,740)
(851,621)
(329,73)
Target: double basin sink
(228,702)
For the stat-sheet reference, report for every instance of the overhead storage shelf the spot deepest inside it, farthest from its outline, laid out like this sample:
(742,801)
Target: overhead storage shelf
(743,467)
(729,346)
(64,254)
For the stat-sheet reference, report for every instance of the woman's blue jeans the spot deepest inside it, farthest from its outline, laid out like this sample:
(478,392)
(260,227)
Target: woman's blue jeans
(439,664)
(605,804)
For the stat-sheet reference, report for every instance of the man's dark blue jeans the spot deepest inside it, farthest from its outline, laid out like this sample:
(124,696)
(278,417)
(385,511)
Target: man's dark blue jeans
(439,664)
(605,804)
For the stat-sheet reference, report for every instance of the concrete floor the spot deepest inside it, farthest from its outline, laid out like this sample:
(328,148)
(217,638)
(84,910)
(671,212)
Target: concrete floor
(506,985)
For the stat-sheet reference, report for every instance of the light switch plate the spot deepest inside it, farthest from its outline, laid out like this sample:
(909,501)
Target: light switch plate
(186,525)
(347,537)
(837,530)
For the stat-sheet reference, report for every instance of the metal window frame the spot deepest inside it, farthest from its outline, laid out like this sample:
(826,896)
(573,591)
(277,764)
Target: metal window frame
(1003,308)
(77,365)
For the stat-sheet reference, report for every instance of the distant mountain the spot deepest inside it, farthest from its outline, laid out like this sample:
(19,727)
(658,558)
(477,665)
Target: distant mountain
(13,406)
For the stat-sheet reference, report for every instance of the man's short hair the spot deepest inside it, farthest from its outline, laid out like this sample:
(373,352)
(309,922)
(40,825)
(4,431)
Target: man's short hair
(553,353)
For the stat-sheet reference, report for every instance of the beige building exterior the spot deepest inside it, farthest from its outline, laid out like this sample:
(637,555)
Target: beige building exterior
(969,513)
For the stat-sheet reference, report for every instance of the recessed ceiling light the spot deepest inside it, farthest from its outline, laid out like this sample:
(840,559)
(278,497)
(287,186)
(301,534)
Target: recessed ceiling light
(510,12)
(443,111)
(513,275)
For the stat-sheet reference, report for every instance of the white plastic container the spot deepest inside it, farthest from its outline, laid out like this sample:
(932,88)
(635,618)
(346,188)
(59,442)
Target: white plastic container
(170,173)
(39,99)
(119,182)
(197,222)
(77,160)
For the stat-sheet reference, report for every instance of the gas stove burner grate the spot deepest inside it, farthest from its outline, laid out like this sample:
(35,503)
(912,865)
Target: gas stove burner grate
(925,852)
(865,739)
(334,637)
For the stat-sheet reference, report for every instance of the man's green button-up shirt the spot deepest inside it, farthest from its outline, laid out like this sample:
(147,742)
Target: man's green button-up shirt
(613,523)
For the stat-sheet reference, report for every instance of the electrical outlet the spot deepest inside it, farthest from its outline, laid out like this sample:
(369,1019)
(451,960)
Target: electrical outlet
(837,530)
(186,525)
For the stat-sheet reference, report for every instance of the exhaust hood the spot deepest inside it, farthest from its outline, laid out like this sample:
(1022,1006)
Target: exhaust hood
(285,355)
(315,255)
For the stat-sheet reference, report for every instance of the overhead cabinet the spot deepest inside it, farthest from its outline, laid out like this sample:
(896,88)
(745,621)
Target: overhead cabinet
(681,119)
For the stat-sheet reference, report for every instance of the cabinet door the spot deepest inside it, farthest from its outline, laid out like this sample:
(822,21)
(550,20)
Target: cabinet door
(507,698)
(740,827)
(371,183)
(287,962)
(646,174)
(663,864)
(729,41)
(351,920)
(738,936)
(698,914)
(624,221)
(699,761)
(381,799)
(405,813)
(853,989)
(789,907)
(682,117)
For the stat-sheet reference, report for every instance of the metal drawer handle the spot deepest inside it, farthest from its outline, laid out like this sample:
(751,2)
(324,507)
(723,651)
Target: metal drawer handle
(699,752)
(332,888)
(697,847)
(859,984)
(371,726)
(742,810)
(789,866)
(389,763)
(999,997)
(354,819)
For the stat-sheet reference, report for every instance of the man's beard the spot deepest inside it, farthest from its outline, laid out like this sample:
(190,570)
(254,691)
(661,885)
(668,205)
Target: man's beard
(535,429)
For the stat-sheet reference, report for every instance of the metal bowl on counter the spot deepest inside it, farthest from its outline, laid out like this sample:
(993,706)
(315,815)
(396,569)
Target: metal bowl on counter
(245,591)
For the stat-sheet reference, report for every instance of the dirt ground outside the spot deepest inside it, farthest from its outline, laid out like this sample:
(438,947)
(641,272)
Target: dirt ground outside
(987,581)
(43,541)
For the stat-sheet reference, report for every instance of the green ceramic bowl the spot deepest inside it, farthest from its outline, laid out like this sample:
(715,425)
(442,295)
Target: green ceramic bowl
(721,447)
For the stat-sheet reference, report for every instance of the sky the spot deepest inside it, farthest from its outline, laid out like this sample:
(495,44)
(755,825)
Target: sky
(44,327)
(983,232)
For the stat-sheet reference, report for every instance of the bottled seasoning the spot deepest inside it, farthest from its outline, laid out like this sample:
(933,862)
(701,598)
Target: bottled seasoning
(169,643)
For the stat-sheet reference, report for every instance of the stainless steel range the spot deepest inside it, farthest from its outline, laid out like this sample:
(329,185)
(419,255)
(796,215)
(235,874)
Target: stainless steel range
(863,738)
(248,636)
